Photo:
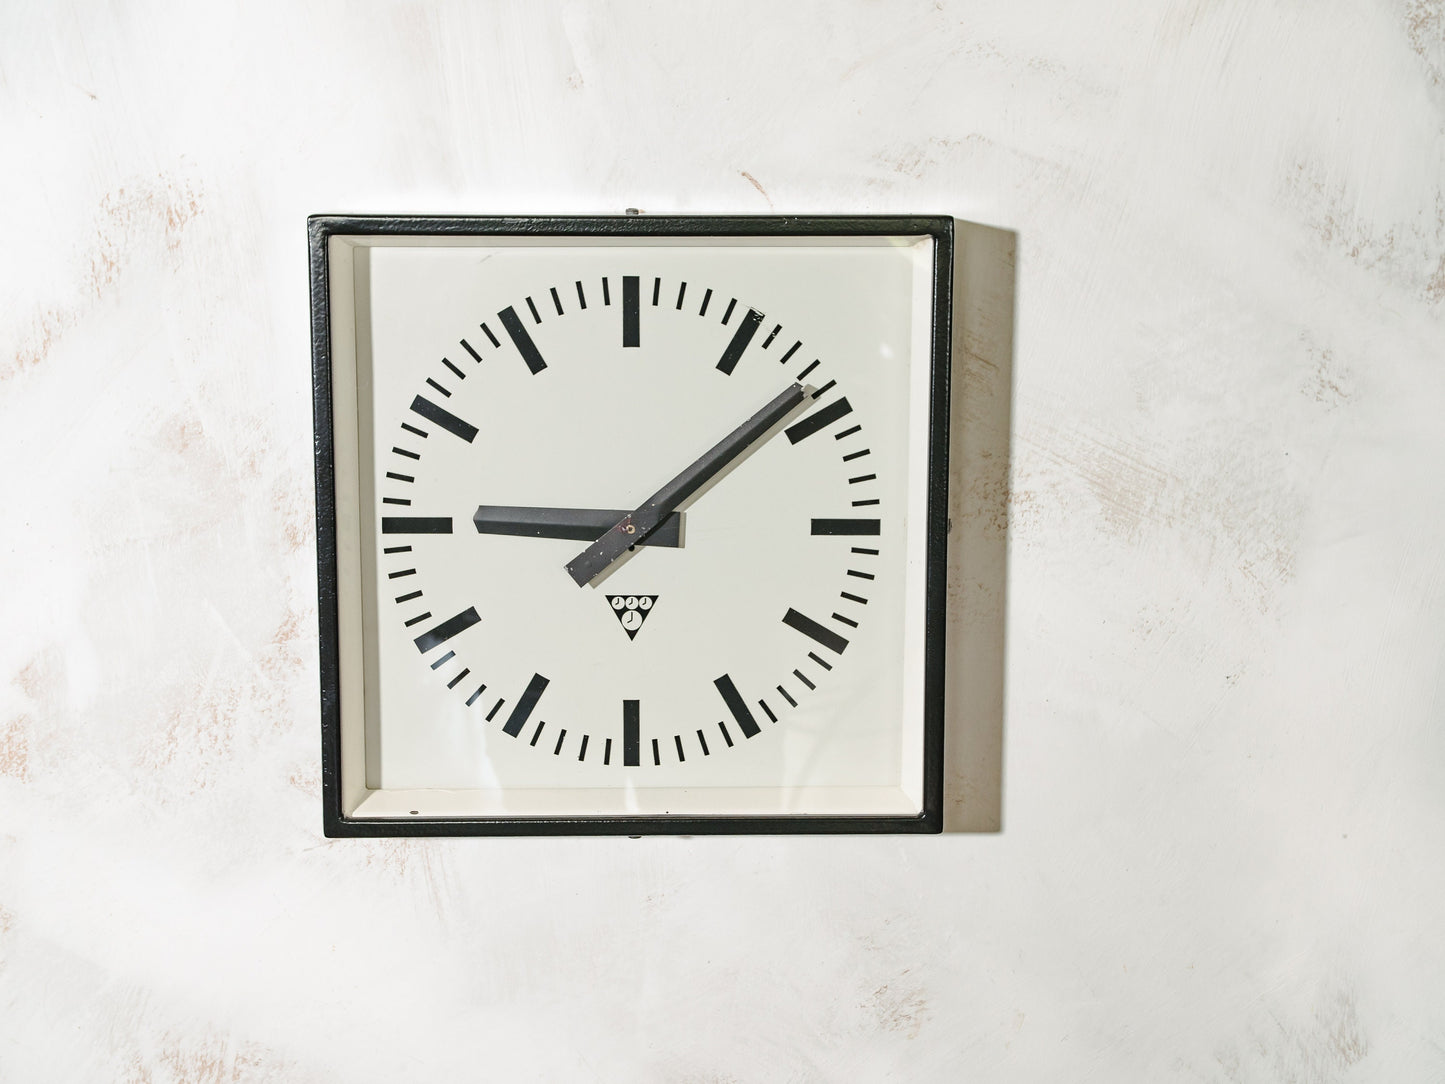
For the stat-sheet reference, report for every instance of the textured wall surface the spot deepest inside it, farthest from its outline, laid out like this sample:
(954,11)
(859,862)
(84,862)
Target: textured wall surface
(1200,562)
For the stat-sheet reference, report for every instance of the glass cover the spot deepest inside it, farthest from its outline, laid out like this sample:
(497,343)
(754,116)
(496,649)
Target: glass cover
(761,650)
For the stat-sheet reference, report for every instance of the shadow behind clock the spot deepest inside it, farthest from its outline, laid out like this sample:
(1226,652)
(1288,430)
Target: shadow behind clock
(982,383)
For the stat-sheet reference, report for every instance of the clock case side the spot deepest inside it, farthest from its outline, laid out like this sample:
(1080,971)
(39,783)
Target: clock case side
(940,399)
(321,228)
(323,441)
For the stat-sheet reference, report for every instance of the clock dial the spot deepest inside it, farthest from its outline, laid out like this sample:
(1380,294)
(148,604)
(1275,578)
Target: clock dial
(645,519)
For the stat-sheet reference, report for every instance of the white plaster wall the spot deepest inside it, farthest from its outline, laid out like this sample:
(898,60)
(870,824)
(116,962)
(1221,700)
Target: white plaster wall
(1205,419)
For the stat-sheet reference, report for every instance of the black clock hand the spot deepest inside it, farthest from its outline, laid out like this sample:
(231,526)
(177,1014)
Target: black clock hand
(635,526)
(579,524)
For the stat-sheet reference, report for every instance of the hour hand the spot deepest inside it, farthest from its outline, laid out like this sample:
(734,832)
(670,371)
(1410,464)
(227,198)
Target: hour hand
(579,524)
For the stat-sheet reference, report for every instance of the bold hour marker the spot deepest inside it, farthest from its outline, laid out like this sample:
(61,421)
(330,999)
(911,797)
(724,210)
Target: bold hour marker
(582,303)
(444,418)
(772,335)
(810,628)
(734,700)
(791,351)
(630,311)
(495,341)
(460,375)
(631,733)
(438,387)
(521,338)
(811,423)
(744,335)
(846,526)
(416,525)
(681,290)
(522,709)
(706,297)
(468,348)
(447,629)
(556,301)
(536,316)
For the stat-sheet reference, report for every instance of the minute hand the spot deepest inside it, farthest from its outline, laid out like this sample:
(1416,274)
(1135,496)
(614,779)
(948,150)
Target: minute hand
(638,524)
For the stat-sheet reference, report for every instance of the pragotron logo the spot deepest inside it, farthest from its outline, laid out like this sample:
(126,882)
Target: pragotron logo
(631,611)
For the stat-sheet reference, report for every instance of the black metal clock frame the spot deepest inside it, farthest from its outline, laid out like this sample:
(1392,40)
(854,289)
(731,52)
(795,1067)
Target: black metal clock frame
(322,227)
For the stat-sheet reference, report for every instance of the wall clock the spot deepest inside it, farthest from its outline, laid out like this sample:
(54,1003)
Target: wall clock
(631,524)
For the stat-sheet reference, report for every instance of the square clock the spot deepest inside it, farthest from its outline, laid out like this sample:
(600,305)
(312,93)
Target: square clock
(631,524)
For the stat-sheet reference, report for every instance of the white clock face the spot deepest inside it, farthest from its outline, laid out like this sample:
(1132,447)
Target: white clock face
(519,398)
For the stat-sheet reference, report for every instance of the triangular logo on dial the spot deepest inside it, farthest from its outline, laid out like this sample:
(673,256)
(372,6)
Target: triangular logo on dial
(631,611)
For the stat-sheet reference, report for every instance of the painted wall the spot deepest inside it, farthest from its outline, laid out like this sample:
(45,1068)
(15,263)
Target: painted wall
(1200,597)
